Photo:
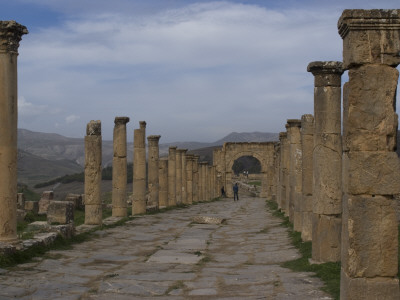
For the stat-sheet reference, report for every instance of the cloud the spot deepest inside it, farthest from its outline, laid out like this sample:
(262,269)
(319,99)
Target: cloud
(192,71)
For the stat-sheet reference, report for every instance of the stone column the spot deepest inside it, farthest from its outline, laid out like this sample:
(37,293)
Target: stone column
(287,177)
(10,36)
(189,178)
(139,170)
(327,160)
(153,184)
(178,163)
(277,158)
(307,148)
(371,171)
(183,194)
(172,176)
(195,178)
(93,205)
(295,172)
(119,171)
(283,170)
(163,182)
(209,184)
(203,181)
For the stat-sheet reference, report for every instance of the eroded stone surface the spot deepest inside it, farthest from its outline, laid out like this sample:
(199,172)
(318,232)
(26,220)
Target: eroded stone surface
(167,256)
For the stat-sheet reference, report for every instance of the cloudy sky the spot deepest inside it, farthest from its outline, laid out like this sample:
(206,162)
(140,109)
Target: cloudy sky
(193,70)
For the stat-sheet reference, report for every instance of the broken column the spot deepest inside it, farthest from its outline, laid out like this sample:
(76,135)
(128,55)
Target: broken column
(139,170)
(163,182)
(172,176)
(371,171)
(307,147)
(178,165)
(153,184)
(10,36)
(189,178)
(93,205)
(119,171)
(327,161)
(295,173)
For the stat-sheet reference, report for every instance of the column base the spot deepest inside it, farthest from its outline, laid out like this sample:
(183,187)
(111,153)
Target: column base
(326,234)
(93,214)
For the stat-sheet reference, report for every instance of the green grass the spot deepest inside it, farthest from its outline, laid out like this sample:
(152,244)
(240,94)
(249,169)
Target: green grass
(329,273)
(258,183)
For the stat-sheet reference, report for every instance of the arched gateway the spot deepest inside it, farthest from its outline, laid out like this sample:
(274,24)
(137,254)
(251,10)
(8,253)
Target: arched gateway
(224,158)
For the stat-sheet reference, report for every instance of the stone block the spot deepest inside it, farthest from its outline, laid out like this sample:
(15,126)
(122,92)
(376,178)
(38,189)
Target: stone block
(306,231)
(370,36)
(47,195)
(372,173)
(43,206)
(93,214)
(61,212)
(307,203)
(21,215)
(76,199)
(371,120)
(20,200)
(368,288)
(326,238)
(208,220)
(370,235)
(32,206)
(327,110)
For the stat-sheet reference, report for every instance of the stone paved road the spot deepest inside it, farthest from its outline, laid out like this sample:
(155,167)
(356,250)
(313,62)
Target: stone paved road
(167,256)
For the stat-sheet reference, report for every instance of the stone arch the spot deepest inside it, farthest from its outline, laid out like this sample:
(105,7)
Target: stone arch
(264,152)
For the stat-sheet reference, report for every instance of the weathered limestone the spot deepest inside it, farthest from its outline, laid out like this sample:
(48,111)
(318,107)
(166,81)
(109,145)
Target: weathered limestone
(20,201)
(203,174)
(44,202)
(183,193)
(295,173)
(61,212)
(119,172)
(327,160)
(307,148)
(139,170)
(283,172)
(76,199)
(93,207)
(32,206)
(153,169)
(172,176)
(10,36)
(371,168)
(277,161)
(163,182)
(178,180)
(189,178)
(195,178)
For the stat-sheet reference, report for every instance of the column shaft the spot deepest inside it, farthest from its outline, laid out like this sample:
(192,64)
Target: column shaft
(153,181)
(163,182)
(172,176)
(139,170)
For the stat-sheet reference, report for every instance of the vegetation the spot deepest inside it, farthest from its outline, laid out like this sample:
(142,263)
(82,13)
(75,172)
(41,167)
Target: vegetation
(29,194)
(106,174)
(328,272)
(258,183)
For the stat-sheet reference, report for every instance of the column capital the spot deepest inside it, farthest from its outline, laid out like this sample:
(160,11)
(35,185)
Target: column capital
(10,35)
(293,123)
(121,120)
(153,139)
(142,124)
(93,128)
(182,151)
(190,157)
(370,36)
(307,124)
(326,73)
(282,135)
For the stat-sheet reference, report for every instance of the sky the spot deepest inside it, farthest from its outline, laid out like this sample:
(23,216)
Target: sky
(193,70)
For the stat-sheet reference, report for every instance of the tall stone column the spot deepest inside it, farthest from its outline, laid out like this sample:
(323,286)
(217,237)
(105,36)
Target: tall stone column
(189,178)
(195,178)
(327,161)
(307,148)
(277,159)
(183,194)
(371,170)
(119,171)
(139,170)
(295,172)
(163,182)
(203,180)
(178,163)
(209,184)
(10,36)
(153,183)
(172,176)
(287,175)
(283,170)
(93,205)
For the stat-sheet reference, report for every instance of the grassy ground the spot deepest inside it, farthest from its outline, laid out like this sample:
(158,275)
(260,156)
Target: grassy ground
(258,183)
(329,273)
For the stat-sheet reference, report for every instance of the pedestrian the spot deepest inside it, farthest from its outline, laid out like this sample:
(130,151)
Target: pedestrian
(236,192)
(223,192)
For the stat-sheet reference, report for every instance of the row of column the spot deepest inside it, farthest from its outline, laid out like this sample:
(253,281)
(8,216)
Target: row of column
(337,185)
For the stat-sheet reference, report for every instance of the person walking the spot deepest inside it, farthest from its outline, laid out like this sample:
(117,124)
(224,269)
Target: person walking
(223,192)
(236,192)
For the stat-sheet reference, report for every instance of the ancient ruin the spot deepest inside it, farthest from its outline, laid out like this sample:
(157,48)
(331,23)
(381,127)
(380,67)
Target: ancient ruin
(139,171)
(172,176)
(119,175)
(153,169)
